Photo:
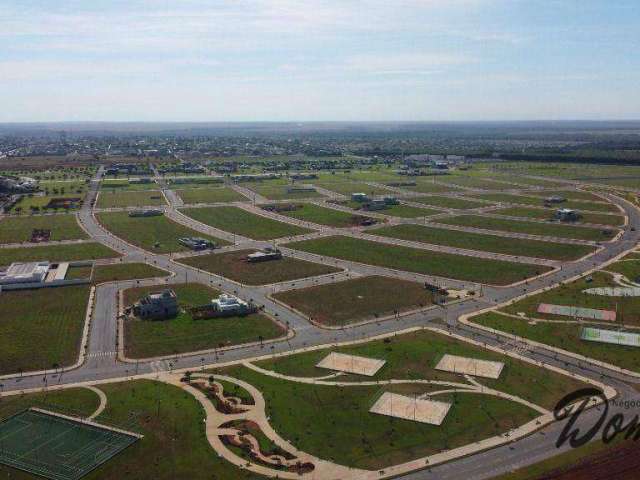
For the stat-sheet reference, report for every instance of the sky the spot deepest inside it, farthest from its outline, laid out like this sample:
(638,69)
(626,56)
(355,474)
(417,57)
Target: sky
(319,60)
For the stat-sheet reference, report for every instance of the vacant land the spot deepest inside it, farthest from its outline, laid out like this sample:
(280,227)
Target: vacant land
(233,265)
(429,185)
(420,261)
(548,214)
(324,216)
(148,338)
(629,266)
(116,185)
(565,336)
(107,199)
(157,234)
(539,202)
(58,253)
(19,229)
(403,211)
(475,182)
(174,444)
(569,195)
(238,221)
(281,192)
(125,271)
(488,243)
(571,294)
(347,188)
(39,203)
(355,300)
(41,328)
(531,228)
(210,195)
(371,441)
(449,202)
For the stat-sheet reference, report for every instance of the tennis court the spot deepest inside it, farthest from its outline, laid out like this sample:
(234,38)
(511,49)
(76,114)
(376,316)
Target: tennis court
(57,446)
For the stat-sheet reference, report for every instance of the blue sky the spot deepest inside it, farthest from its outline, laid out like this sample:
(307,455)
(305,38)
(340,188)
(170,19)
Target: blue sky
(319,60)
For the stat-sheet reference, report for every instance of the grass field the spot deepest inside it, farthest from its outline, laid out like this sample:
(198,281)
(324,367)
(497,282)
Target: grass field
(628,308)
(233,265)
(280,192)
(324,216)
(530,228)
(38,203)
(147,338)
(347,188)
(108,199)
(347,433)
(548,214)
(19,229)
(565,336)
(355,300)
(569,195)
(57,253)
(158,234)
(174,444)
(449,202)
(125,271)
(402,211)
(475,182)
(428,185)
(420,261)
(488,243)
(210,195)
(238,221)
(539,202)
(118,185)
(629,267)
(41,328)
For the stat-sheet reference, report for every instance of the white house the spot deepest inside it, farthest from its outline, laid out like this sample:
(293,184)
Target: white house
(230,305)
(33,272)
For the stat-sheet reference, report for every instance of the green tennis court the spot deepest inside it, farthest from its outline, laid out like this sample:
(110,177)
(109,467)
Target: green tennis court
(58,447)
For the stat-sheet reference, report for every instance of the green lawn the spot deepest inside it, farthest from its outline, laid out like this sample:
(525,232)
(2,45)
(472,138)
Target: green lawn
(324,216)
(474,182)
(42,327)
(449,202)
(564,336)
(38,203)
(148,338)
(531,228)
(355,300)
(233,265)
(19,229)
(171,420)
(57,253)
(488,243)
(539,202)
(158,234)
(347,433)
(420,261)
(142,198)
(571,294)
(548,214)
(118,185)
(210,195)
(569,195)
(238,221)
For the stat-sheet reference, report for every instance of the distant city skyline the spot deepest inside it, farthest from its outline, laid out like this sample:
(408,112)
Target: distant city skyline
(347,60)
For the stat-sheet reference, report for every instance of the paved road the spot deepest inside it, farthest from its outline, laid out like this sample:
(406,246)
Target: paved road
(101,361)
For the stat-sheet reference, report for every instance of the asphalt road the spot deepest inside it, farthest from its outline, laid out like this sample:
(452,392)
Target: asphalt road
(101,360)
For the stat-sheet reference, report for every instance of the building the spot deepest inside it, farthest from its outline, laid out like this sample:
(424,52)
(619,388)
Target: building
(391,201)
(228,305)
(149,212)
(157,306)
(359,197)
(555,199)
(300,189)
(303,176)
(264,255)
(33,272)
(567,215)
(196,243)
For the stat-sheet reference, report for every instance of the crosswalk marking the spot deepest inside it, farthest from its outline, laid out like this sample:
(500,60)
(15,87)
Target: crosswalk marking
(101,354)
(160,366)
